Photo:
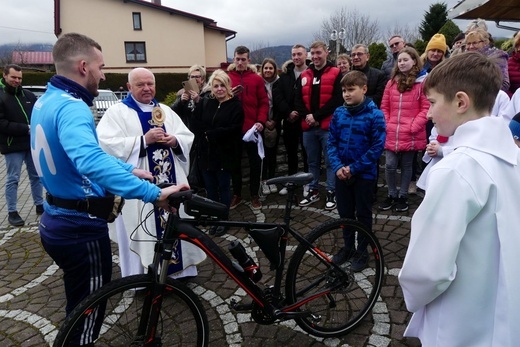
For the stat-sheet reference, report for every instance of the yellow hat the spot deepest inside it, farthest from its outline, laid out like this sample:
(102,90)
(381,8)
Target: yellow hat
(438,41)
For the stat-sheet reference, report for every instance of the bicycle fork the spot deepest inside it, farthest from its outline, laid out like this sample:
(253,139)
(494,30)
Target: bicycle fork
(152,304)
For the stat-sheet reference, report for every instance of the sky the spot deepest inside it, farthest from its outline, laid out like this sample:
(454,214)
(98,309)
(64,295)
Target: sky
(257,23)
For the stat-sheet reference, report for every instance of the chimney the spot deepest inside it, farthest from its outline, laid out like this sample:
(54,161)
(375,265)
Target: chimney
(156,2)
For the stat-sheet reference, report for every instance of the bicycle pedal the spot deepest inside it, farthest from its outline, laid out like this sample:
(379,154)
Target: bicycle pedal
(241,307)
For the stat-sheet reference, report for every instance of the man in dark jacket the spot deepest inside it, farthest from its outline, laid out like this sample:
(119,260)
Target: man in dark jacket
(16,105)
(376,78)
(283,94)
(396,43)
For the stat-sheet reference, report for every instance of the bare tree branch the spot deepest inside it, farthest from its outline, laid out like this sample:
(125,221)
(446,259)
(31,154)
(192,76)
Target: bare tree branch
(407,33)
(359,28)
(260,51)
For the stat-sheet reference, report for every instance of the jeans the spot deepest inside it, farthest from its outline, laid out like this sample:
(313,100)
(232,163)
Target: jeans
(13,163)
(315,143)
(392,160)
(218,186)
(355,201)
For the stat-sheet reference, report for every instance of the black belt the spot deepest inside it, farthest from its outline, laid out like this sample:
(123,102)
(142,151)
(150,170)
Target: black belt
(78,205)
(107,207)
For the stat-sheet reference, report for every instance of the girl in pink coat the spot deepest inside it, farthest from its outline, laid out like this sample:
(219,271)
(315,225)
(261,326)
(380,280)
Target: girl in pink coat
(405,108)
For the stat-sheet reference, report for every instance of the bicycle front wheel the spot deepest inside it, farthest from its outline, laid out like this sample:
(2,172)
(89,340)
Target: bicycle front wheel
(124,305)
(336,299)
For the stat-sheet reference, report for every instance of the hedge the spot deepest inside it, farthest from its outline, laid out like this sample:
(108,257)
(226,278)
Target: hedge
(166,82)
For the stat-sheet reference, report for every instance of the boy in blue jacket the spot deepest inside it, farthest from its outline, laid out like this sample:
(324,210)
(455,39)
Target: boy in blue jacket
(356,141)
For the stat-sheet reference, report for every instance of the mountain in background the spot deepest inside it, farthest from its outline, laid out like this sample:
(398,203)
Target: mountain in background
(279,53)
(33,47)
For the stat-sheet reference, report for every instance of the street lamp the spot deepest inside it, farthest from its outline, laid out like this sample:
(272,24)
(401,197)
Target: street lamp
(337,36)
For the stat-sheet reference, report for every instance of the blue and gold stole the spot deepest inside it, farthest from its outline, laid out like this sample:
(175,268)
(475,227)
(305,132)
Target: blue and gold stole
(162,165)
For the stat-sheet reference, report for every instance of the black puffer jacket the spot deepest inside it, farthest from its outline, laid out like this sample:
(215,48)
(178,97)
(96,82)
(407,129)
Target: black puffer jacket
(16,105)
(376,83)
(284,91)
(217,128)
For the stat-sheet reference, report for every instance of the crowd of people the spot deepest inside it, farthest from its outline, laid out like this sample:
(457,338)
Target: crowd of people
(343,118)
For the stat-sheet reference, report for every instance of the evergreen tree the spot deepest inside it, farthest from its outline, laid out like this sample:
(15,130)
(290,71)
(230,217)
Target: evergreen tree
(420,46)
(377,54)
(450,30)
(433,20)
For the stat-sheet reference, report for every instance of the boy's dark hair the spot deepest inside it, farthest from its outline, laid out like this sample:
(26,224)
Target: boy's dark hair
(469,72)
(354,78)
(242,50)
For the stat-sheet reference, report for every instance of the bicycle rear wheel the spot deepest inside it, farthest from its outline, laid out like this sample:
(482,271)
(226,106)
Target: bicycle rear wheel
(182,319)
(338,299)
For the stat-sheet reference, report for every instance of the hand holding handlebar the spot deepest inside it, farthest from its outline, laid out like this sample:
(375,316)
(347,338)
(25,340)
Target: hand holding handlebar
(164,199)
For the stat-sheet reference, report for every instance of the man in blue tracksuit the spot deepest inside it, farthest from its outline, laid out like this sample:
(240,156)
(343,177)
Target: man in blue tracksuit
(74,170)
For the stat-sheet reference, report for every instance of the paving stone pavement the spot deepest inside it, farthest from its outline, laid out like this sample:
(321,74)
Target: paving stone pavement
(32,297)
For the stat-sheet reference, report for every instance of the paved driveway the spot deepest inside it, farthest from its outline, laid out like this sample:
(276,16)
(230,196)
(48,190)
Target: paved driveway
(32,297)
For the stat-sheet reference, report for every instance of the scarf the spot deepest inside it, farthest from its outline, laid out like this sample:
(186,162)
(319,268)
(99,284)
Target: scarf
(73,88)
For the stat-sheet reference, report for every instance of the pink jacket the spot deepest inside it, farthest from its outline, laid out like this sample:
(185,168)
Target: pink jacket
(405,116)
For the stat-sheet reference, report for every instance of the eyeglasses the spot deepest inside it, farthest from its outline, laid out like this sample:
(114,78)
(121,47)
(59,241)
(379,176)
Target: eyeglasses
(197,77)
(360,54)
(395,44)
(473,43)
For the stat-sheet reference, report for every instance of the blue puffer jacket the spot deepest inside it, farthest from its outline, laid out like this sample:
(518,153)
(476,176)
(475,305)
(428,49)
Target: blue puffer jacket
(357,138)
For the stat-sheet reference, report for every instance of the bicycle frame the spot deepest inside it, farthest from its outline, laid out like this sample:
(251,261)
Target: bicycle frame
(186,230)
(326,298)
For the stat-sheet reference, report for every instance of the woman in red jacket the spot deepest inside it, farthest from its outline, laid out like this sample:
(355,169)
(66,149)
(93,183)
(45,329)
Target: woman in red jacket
(405,108)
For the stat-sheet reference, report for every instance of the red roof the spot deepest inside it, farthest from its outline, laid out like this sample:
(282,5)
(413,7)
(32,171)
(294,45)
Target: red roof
(34,58)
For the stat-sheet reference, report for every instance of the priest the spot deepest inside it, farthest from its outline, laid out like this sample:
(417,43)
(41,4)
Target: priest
(150,136)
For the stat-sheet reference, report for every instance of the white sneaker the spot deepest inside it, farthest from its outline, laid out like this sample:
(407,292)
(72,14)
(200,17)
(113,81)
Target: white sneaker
(283,191)
(265,188)
(273,188)
(331,201)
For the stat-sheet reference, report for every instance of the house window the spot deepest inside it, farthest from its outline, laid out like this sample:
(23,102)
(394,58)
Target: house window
(136,16)
(135,52)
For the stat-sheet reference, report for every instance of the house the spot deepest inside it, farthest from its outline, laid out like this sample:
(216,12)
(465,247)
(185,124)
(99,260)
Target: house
(33,60)
(138,33)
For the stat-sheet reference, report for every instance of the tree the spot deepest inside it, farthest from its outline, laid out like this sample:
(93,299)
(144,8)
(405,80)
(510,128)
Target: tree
(260,51)
(377,54)
(408,34)
(433,20)
(359,28)
(450,30)
(420,46)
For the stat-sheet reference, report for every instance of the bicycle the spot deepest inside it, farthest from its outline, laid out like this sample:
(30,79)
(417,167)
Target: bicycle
(325,299)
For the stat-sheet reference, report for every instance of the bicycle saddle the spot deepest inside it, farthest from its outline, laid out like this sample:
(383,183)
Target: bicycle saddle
(298,179)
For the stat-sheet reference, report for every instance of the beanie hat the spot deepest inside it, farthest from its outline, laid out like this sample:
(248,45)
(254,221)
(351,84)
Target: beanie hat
(460,36)
(438,41)
(514,125)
